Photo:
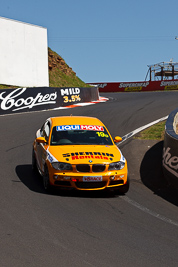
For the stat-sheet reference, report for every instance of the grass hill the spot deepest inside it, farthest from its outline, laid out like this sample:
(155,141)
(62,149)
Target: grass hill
(60,74)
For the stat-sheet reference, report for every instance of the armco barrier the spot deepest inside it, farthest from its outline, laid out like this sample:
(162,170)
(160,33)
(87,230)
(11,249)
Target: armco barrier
(170,150)
(165,85)
(43,98)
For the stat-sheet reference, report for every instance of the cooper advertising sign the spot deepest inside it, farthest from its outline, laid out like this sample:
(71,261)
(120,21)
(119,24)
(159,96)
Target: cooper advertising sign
(24,100)
(170,161)
(170,151)
(43,98)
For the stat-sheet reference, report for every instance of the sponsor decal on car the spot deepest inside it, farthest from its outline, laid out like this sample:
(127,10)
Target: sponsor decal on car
(79,127)
(89,155)
(101,134)
(122,157)
(50,157)
(92,178)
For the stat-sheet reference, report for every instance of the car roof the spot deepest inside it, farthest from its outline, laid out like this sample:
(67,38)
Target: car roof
(70,120)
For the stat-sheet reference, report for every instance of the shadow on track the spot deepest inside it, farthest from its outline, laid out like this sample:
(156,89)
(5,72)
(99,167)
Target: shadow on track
(151,174)
(29,178)
(33,181)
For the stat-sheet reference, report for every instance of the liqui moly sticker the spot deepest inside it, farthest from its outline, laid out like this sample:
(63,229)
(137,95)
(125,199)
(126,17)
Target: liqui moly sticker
(79,127)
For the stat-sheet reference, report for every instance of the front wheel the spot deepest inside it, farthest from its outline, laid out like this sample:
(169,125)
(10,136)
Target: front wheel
(46,183)
(123,189)
(34,166)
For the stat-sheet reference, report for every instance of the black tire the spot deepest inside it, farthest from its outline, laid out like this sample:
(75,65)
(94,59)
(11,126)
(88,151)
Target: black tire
(123,189)
(34,166)
(46,183)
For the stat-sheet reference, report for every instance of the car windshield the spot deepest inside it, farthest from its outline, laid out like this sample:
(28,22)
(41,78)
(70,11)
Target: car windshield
(67,135)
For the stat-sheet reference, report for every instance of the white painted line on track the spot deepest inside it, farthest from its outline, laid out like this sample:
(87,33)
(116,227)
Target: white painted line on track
(129,135)
(156,215)
(132,202)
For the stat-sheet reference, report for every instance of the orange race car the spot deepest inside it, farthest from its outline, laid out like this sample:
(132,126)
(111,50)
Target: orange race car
(78,152)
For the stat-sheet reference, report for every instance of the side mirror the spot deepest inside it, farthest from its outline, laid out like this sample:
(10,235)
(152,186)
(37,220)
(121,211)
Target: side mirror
(117,139)
(41,140)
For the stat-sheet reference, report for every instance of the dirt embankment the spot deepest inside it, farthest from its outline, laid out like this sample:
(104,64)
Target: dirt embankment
(57,62)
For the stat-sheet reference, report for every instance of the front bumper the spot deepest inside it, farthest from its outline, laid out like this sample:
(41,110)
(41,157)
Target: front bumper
(88,181)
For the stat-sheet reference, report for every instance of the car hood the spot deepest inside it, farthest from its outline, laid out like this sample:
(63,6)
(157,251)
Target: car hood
(83,154)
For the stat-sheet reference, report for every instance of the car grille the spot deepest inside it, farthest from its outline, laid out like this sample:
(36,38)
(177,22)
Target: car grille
(91,185)
(94,168)
(98,167)
(83,167)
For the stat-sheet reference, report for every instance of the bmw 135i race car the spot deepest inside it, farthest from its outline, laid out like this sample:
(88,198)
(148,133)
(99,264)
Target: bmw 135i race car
(79,152)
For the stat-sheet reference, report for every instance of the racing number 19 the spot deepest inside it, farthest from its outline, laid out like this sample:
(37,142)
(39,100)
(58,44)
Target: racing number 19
(101,134)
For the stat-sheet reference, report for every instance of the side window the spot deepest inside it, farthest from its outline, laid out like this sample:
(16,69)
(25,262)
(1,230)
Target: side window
(41,130)
(45,130)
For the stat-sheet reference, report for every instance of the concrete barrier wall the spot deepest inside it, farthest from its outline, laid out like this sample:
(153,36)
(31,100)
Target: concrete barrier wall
(23,54)
(170,150)
(166,85)
(175,123)
(43,98)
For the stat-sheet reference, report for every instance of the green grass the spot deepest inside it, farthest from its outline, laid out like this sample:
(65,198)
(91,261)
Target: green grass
(155,132)
(59,79)
(2,86)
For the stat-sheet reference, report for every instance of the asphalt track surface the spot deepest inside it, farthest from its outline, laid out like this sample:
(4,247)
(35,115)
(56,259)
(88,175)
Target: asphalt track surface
(89,229)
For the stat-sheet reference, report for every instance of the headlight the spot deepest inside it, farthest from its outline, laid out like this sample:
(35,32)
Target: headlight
(116,165)
(62,166)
